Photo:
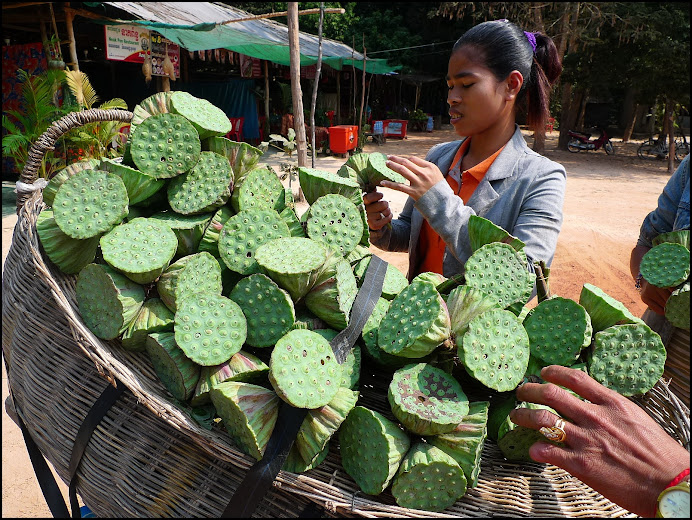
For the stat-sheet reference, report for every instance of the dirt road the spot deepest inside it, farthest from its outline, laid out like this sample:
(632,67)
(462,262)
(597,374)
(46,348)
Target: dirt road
(606,200)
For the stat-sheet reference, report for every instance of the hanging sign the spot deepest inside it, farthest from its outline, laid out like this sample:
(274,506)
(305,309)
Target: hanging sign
(159,45)
(250,67)
(127,43)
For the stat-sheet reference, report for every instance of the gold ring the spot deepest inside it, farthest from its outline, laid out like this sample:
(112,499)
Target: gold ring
(555,433)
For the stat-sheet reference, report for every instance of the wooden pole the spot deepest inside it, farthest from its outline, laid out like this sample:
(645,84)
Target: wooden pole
(69,16)
(334,10)
(266,100)
(362,95)
(315,85)
(296,90)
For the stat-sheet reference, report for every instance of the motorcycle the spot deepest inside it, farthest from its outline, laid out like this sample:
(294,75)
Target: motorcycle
(582,141)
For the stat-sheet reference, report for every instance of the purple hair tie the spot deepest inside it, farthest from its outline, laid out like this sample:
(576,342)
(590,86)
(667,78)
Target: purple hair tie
(532,40)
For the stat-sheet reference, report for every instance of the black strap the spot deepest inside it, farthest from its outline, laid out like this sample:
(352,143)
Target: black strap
(259,478)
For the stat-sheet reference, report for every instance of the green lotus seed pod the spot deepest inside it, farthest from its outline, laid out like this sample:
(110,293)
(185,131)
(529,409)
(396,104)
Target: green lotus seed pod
(165,146)
(377,171)
(295,228)
(680,236)
(350,368)
(141,249)
(465,442)
(627,358)
(139,185)
(466,303)
(435,278)
(359,163)
(208,120)
(188,229)
(416,323)
(678,307)
(210,328)
(482,231)
(428,479)
(159,103)
(347,172)
(394,280)
(206,187)
(372,448)
(60,177)
(334,221)
(107,300)
(515,441)
(210,238)
(426,400)
(306,320)
(303,369)
(260,188)
(90,203)
(666,265)
(331,300)
(190,274)
(268,309)
(317,183)
(249,413)
(501,404)
(604,310)
(153,316)
(295,463)
(177,373)
(558,329)
(358,253)
(71,255)
(241,156)
(495,350)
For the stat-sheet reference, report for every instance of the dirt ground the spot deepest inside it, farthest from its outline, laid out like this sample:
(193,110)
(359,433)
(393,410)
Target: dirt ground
(606,200)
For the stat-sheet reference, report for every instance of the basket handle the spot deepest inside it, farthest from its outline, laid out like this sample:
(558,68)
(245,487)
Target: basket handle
(48,139)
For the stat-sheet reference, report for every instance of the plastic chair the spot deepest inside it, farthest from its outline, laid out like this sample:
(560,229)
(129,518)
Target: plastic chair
(236,133)
(549,124)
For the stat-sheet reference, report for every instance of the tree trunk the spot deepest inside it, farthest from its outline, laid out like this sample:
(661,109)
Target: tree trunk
(539,133)
(362,96)
(584,93)
(266,129)
(314,88)
(670,106)
(296,90)
(568,114)
(69,16)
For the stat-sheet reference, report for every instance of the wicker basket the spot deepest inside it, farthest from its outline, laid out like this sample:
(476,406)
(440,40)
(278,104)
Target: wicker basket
(149,458)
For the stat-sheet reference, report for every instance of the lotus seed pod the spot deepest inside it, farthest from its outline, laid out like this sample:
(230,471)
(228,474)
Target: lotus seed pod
(394,280)
(535,365)
(348,173)
(295,463)
(558,329)
(206,187)
(369,335)
(295,228)
(165,146)
(332,299)
(249,413)
(359,163)
(500,271)
(350,368)
(208,120)
(139,185)
(426,400)
(681,236)
(466,303)
(210,237)
(465,442)
(378,171)
(372,448)
(241,156)
(482,231)
(604,310)
(244,233)
(190,274)
(242,367)
(317,183)
(666,265)
(365,238)
(293,262)
(258,189)
(358,253)
(306,320)
(90,203)
(501,404)
(428,479)
(159,103)
(141,249)
(154,316)
(210,328)
(435,278)
(268,309)
(71,255)
(495,350)
(321,423)
(416,323)
(334,221)
(515,441)
(188,229)
(678,307)
(108,301)
(175,370)
(59,178)
(627,358)
(303,369)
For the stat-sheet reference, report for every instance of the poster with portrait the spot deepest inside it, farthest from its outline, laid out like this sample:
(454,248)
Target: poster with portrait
(160,45)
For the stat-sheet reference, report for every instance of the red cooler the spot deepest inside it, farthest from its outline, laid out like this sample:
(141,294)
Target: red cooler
(395,128)
(343,138)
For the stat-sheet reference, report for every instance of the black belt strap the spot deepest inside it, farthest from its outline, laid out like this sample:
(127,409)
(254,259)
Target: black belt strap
(259,478)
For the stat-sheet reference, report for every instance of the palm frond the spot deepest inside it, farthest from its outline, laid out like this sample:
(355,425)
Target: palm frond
(114,103)
(80,86)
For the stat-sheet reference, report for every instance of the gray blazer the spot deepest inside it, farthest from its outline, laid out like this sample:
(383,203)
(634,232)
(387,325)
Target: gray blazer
(522,192)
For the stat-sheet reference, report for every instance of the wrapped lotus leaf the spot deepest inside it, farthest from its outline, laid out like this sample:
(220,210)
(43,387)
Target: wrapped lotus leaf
(604,310)
(190,274)
(332,299)
(60,177)
(249,413)
(295,228)
(139,185)
(306,320)
(188,229)
(71,255)
(680,236)
(378,171)
(210,238)
(208,120)
(242,367)
(176,371)
(154,316)
(501,404)
(295,463)
(358,253)
(317,183)
(241,156)
(157,202)
(482,231)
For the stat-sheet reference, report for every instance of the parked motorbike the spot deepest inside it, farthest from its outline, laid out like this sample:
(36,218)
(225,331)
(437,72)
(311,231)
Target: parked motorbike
(582,141)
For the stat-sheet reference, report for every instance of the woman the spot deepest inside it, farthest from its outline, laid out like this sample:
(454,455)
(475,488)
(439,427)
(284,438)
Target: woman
(493,69)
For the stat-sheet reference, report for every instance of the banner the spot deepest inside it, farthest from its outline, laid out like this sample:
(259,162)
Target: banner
(159,45)
(127,43)
(250,67)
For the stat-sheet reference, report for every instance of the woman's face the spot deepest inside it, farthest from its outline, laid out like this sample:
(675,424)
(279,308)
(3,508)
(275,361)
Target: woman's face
(477,101)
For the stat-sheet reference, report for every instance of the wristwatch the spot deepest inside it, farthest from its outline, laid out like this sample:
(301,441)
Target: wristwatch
(674,502)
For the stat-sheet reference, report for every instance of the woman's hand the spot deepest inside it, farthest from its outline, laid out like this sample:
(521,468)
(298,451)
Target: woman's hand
(655,297)
(612,444)
(422,175)
(377,210)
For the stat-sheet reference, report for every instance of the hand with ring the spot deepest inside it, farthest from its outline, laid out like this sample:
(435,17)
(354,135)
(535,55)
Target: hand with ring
(609,442)
(377,210)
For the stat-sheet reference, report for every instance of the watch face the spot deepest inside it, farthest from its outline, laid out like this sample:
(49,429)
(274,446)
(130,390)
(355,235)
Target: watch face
(675,504)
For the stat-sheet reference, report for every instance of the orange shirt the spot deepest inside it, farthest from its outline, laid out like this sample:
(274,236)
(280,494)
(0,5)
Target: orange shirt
(430,247)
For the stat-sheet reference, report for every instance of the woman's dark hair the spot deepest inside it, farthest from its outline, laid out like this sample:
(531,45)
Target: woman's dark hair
(502,47)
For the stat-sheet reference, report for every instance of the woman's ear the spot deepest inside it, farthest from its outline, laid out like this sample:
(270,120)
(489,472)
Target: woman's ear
(513,84)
